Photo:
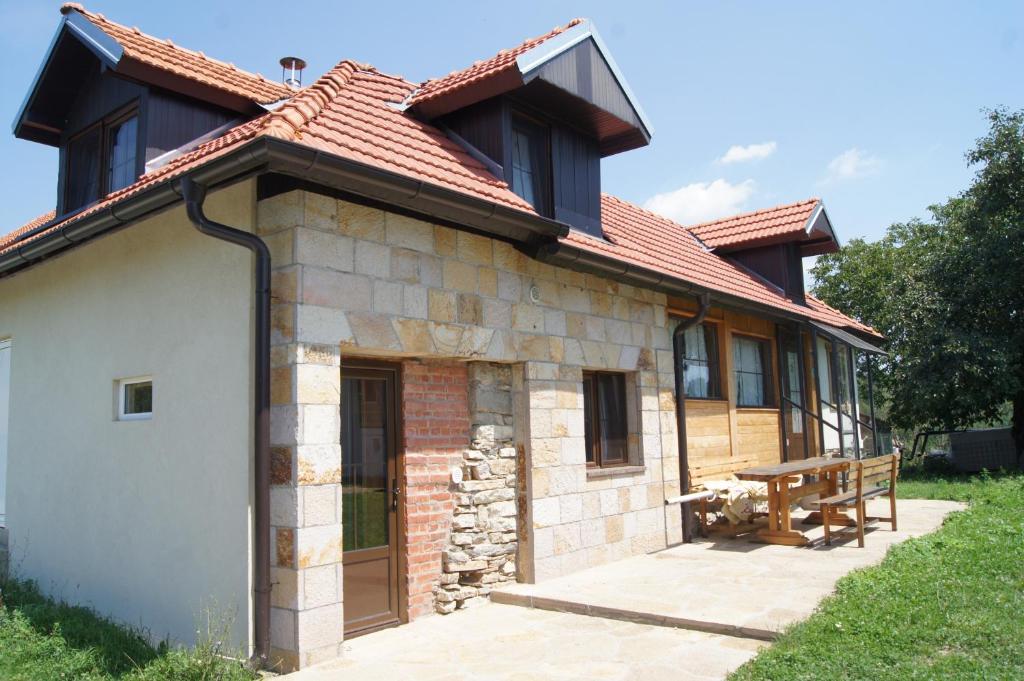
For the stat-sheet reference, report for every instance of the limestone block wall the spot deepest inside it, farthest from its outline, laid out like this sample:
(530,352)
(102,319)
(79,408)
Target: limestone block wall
(352,280)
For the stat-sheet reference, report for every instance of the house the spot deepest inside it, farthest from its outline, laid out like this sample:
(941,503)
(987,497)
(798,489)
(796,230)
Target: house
(332,358)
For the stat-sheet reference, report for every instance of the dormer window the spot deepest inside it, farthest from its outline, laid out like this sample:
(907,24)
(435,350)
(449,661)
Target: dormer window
(101,159)
(531,163)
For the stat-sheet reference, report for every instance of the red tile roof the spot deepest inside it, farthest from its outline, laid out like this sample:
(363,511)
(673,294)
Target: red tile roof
(351,111)
(354,111)
(26,228)
(165,55)
(497,67)
(646,239)
(760,225)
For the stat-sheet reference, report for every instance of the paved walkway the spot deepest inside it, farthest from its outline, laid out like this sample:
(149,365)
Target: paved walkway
(652,617)
(729,586)
(506,643)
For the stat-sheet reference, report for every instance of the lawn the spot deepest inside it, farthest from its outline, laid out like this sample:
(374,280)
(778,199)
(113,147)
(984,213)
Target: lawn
(41,640)
(949,605)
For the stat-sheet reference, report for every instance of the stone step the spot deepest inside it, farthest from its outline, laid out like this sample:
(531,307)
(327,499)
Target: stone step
(635,616)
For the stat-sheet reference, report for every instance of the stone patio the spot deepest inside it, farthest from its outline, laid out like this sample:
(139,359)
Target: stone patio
(728,586)
(694,611)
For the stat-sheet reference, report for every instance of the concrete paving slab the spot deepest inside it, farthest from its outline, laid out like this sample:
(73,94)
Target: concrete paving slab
(727,585)
(653,617)
(506,643)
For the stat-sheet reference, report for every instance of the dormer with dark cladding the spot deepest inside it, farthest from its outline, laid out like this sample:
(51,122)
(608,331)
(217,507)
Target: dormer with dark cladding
(110,114)
(544,121)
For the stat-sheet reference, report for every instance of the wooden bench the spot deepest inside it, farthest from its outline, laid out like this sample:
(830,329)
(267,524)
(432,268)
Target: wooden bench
(867,478)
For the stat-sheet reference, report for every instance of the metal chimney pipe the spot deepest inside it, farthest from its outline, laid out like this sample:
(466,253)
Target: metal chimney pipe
(291,71)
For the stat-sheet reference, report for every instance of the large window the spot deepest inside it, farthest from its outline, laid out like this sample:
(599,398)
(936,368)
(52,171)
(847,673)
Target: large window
(604,418)
(700,363)
(752,368)
(101,159)
(531,163)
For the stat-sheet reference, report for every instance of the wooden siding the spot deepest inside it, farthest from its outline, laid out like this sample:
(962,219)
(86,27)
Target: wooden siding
(576,166)
(482,125)
(722,438)
(101,95)
(759,435)
(582,71)
(173,121)
(780,264)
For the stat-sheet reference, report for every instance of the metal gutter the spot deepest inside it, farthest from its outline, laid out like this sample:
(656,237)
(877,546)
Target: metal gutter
(194,195)
(265,154)
(678,355)
(489,217)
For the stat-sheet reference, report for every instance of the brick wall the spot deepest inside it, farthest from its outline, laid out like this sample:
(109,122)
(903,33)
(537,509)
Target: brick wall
(435,416)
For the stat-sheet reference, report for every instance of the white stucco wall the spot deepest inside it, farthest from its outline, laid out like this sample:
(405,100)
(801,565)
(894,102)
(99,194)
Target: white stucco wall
(147,521)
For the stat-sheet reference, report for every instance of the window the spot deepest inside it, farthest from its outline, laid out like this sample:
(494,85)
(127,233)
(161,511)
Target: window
(531,163)
(752,360)
(121,143)
(604,418)
(101,159)
(82,181)
(135,399)
(700,363)
(825,370)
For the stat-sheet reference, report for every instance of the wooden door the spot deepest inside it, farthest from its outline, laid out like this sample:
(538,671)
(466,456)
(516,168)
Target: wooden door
(370,497)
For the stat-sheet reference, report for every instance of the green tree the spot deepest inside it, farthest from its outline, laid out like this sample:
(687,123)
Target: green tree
(949,295)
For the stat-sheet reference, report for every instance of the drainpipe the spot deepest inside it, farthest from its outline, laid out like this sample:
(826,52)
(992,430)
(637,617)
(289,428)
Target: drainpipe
(194,195)
(678,351)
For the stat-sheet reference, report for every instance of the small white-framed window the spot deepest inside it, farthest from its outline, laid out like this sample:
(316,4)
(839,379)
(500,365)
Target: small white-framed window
(135,398)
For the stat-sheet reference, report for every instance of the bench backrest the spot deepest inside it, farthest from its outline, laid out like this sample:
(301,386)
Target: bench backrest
(876,471)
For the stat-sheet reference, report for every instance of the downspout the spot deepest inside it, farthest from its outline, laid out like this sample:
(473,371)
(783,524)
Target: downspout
(194,195)
(678,351)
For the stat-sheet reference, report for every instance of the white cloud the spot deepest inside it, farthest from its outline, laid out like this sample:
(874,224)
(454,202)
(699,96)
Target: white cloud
(852,164)
(702,201)
(751,152)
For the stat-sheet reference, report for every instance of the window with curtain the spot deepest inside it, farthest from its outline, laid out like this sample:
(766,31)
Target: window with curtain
(604,418)
(101,159)
(752,369)
(700,363)
(121,144)
(82,168)
(825,370)
(531,163)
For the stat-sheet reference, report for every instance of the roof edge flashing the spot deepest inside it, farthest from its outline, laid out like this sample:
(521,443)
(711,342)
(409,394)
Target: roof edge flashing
(536,57)
(819,222)
(102,45)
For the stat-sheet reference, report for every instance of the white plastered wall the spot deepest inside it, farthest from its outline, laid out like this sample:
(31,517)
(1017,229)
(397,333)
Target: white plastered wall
(146,521)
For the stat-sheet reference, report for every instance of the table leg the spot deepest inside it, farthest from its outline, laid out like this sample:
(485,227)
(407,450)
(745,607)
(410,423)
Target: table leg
(779,530)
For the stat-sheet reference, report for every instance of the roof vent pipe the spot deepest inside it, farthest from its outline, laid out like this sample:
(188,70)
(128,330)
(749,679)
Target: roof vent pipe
(291,71)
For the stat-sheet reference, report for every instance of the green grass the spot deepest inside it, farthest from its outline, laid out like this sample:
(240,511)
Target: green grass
(949,605)
(41,639)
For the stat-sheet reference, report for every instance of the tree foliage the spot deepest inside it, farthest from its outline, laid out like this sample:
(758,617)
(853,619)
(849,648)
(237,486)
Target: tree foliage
(948,294)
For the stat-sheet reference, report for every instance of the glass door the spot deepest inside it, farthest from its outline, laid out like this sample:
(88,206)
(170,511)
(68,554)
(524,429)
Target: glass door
(370,498)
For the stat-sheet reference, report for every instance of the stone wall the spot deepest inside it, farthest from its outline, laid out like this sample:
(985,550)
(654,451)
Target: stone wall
(361,281)
(482,547)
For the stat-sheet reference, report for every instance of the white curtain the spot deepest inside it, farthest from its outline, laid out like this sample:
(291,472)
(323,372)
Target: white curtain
(697,376)
(749,371)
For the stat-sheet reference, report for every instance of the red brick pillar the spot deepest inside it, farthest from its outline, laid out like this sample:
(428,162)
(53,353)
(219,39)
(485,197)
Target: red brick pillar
(435,421)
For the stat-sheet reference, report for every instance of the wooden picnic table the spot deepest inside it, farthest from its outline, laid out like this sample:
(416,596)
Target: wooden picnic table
(780,494)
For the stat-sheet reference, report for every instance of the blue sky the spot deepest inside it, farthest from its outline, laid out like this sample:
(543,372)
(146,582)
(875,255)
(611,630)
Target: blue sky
(869,105)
